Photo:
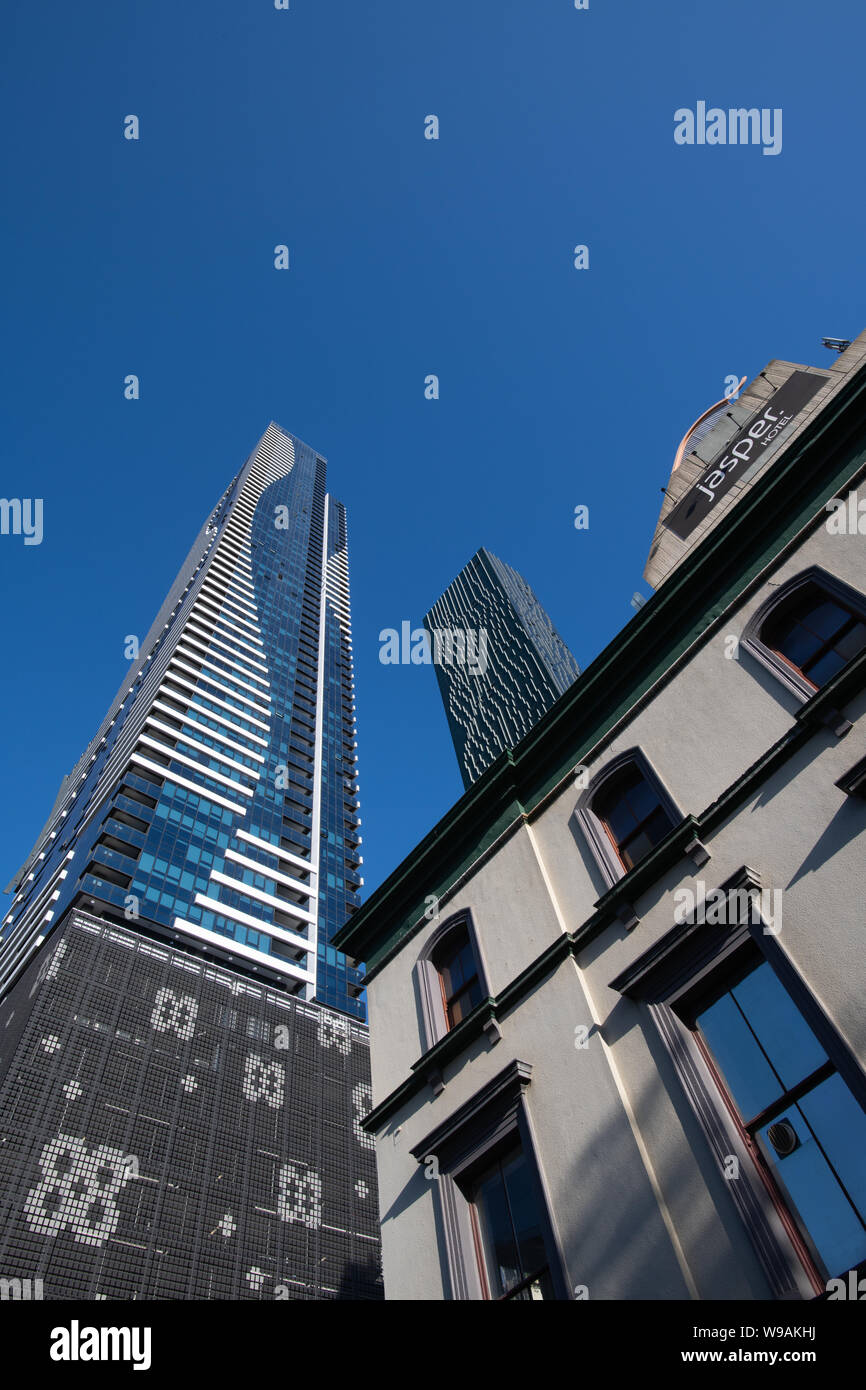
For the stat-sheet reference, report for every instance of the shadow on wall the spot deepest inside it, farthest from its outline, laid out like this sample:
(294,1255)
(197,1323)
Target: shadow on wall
(619,1231)
(417,1189)
(848,822)
(590,863)
(614,1237)
(781,781)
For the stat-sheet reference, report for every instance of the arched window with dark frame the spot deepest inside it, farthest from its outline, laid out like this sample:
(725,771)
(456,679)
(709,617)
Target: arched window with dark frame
(624,813)
(456,964)
(451,976)
(809,631)
(815,632)
(631,811)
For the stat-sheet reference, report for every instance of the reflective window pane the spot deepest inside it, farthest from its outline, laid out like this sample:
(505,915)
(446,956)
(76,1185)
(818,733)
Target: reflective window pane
(784,1034)
(630,808)
(497,1234)
(524,1214)
(826,619)
(816,1150)
(852,642)
(798,644)
(642,799)
(510,1230)
(839,1124)
(816,633)
(825,668)
(619,817)
(746,1071)
(458,972)
(812,1191)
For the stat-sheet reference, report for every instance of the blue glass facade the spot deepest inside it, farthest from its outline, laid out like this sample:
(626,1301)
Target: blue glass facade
(218,803)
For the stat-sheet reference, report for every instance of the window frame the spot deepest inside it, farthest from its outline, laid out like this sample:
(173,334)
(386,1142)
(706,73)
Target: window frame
(448,1000)
(430,986)
(789,675)
(595,831)
(493,1121)
(497,1161)
(666,981)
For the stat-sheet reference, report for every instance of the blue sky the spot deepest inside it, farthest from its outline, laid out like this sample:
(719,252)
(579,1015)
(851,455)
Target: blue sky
(408,257)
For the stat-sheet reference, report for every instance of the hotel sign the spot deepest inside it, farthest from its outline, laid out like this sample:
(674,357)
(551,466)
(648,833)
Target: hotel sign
(742,451)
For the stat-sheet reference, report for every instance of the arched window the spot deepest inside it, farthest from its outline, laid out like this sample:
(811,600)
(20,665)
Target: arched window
(816,633)
(808,631)
(631,811)
(457,968)
(451,977)
(624,813)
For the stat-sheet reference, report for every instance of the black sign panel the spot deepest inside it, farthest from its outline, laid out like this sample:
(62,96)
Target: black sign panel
(742,451)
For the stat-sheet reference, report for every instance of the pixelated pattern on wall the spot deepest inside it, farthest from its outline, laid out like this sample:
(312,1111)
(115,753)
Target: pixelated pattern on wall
(171,1130)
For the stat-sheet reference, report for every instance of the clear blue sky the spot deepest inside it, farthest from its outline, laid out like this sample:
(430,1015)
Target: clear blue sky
(408,257)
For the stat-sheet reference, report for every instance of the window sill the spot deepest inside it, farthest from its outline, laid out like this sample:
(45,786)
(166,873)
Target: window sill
(482,1019)
(683,840)
(825,705)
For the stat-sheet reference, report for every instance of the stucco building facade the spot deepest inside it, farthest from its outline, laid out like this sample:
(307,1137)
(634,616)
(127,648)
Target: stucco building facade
(594,1074)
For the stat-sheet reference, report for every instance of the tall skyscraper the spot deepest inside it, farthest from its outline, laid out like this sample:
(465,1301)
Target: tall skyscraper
(499,660)
(184,1064)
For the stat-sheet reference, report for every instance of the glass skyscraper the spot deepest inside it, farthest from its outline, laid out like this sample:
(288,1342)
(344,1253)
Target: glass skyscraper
(499,661)
(218,801)
(170,936)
